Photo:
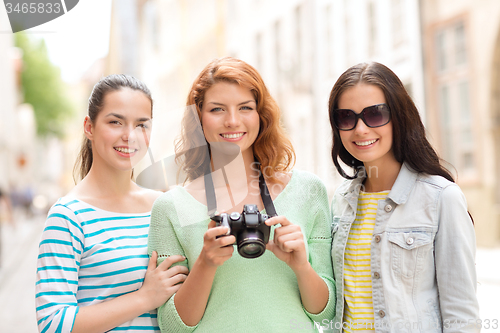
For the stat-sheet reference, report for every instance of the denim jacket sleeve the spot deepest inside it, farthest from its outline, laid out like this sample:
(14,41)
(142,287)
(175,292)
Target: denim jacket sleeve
(455,263)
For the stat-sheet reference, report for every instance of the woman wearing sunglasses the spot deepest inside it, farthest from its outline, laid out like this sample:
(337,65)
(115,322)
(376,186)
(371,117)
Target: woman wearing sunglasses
(404,245)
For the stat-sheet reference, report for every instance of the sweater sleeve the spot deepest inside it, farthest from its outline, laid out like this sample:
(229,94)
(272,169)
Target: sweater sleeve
(319,245)
(164,240)
(455,246)
(58,264)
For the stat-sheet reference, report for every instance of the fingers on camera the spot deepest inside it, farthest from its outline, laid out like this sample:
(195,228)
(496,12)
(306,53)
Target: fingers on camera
(214,232)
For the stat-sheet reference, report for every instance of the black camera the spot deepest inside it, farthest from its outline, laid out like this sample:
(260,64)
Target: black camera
(251,233)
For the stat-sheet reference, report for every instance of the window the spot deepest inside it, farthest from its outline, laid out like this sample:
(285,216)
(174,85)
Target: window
(258,51)
(451,47)
(467,140)
(441,51)
(398,22)
(277,49)
(446,125)
(150,19)
(349,36)
(372,29)
(298,39)
(329,40)
(460,45)
(454,96)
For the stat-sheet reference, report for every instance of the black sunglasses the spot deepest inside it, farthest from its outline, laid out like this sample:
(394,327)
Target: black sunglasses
(373,116)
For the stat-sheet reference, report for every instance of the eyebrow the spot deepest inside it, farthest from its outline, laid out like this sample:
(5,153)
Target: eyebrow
(119,116)
(249,101)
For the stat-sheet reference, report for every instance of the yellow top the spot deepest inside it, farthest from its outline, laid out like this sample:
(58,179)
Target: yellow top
(358,307)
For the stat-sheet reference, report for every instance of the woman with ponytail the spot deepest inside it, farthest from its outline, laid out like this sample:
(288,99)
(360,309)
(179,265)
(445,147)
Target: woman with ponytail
(93,271)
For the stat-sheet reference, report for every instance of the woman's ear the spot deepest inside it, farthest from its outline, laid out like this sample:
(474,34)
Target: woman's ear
(88,128)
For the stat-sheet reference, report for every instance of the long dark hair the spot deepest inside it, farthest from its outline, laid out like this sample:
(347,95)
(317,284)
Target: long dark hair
(107,84)
(409,143)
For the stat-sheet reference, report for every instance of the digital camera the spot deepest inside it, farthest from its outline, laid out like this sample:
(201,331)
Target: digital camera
(251,233)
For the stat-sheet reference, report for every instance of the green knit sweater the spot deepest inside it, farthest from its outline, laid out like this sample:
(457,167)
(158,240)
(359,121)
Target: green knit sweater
(248,295)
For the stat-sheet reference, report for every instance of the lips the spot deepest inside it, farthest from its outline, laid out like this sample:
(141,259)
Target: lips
(232,136)
(125,151)
(365,143)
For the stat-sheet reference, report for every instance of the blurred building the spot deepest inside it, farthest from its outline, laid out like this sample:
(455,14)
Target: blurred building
(302,46)
(299,46)
(462,70)
(165,44)
(446,53)
(17,126)
(8,106)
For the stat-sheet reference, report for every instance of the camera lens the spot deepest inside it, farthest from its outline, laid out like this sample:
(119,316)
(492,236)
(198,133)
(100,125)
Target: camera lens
(252,249)
(251,244)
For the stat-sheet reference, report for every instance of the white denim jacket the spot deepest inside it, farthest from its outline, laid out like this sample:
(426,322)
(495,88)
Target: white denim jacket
(422,255)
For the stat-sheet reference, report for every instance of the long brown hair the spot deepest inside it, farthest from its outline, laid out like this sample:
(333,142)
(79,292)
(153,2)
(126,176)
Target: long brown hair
(272,148)
(409,144)
(107,84)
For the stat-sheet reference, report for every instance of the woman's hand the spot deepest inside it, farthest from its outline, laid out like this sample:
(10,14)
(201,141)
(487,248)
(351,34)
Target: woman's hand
(288,244)
(216,250)
(161,282)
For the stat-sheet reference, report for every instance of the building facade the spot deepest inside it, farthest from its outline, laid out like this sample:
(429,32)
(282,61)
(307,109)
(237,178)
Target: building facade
(301,47)
(447,53)
(174,40)
(462,79)
(8,96)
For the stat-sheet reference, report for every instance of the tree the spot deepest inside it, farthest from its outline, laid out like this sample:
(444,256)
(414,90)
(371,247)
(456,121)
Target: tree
(42,87)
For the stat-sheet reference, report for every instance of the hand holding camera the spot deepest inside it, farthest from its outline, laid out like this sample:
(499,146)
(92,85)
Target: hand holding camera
(249,228)
(288,244)
(215,248)
(251,231)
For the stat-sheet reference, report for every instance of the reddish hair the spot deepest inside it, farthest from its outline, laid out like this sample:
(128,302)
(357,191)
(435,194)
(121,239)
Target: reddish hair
(272,148)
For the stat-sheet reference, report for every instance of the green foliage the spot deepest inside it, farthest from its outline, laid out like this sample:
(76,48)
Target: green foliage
(42,87)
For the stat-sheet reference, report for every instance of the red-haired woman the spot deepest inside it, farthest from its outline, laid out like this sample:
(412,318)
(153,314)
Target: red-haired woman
(291,285)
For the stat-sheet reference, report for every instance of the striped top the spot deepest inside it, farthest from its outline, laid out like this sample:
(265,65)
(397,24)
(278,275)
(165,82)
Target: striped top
(358,310)
(87,256)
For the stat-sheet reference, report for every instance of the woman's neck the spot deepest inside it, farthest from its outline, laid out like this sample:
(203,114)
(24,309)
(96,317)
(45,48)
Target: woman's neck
(102,181)
(234,170)
(381,178)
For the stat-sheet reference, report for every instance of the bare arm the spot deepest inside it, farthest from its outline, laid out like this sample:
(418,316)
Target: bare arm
(159,284)
(191,299)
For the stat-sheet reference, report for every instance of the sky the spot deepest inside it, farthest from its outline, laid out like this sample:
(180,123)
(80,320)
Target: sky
(78,38)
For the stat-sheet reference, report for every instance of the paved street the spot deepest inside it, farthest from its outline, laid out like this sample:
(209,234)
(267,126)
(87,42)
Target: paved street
(17,279)
(17,276)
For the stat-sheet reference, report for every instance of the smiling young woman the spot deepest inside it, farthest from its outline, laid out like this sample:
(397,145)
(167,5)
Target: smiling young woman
(93,270)
(290,283)
(403,241)
(229,114)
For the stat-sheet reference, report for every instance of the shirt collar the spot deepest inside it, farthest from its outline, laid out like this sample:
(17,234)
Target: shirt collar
(403,185)
(399,193)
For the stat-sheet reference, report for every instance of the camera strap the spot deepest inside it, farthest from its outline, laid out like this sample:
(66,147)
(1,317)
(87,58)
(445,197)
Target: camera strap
(212,201)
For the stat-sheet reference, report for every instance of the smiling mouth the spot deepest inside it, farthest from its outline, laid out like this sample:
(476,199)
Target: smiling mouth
(365,143)
(125,150)
(232,136)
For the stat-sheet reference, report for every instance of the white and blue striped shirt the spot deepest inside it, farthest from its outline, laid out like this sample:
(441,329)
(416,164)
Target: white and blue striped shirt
(87,256)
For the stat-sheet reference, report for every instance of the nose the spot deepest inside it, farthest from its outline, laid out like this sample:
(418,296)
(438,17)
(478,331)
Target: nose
(232,119)
(129,134)
(361,127)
